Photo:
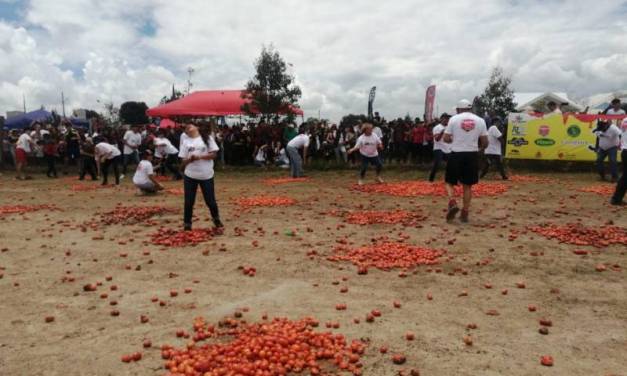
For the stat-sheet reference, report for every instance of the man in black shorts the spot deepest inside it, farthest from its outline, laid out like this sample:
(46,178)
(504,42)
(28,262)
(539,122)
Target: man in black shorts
(467,133)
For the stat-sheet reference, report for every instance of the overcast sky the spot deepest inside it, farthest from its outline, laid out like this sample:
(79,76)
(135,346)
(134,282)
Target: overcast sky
(136,49)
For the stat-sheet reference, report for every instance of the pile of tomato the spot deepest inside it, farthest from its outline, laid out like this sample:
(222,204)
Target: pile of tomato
(174,238)
(578,234)
(384,217)
(277,347)
(280,181)
(22,209)
(132,214)
(387,255)
(603,189)
(421,188)
(265,201)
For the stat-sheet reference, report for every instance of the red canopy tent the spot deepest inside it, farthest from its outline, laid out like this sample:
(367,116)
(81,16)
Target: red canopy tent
(206,103)
(167,123)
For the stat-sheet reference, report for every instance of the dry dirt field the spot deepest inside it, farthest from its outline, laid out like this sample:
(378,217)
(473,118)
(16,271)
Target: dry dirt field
(48,256)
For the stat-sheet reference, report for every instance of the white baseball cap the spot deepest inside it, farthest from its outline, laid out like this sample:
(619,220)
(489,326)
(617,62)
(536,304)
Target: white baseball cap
(464,103)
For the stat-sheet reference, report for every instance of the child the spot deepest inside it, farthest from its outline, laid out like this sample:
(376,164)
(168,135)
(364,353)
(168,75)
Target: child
(368,145)
(50,153)
(144,178)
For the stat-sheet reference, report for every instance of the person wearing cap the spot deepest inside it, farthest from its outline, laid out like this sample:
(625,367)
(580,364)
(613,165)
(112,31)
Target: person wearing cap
(144,178)
(493,151)
(466,133)
(132,140)
(440,148)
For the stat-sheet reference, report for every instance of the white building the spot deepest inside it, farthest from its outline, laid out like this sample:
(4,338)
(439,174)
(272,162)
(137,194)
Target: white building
(538,102)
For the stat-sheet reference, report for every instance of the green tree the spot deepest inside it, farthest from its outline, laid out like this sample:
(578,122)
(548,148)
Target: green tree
(176,94)
(134,113)
(272,90)
(351,120)
(498,97)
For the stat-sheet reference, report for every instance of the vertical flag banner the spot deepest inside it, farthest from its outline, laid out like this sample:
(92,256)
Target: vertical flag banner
(566,137)
(429,103)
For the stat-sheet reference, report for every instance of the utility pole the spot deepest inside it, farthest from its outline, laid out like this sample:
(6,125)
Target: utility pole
(24,102)
(63,104)
(190,70)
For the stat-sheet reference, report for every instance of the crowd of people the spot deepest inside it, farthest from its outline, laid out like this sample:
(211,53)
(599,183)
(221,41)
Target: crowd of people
(470,146)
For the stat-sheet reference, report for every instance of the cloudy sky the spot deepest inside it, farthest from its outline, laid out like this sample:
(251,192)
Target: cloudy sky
(117,50)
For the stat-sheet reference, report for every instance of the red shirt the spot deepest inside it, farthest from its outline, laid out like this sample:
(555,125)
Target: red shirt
(417,135)
(50,148)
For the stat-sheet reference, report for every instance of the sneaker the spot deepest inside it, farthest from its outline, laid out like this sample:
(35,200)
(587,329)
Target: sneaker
(217,223)
(379,180)
(452,211)
(360,182)
(617,203)
(464,216)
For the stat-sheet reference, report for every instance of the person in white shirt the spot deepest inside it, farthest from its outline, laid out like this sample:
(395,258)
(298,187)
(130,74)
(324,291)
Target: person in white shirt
(621,185)
(615,110)
(23,147)
(467,133)
(608,136)
(198,151)
(368,145)
(296,162)
(493,151)
(144,178)
(167,155)
(260,155)
(440,148)
(132,140)
(107,155)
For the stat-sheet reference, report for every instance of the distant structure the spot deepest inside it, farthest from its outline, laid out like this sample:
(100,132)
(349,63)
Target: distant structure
(538,102)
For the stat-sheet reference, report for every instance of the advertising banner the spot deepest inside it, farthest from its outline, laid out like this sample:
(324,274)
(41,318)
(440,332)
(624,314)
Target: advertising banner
(429,103)
(567,137)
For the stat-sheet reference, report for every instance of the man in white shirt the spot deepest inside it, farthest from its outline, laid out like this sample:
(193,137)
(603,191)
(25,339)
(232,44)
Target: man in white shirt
(107,155)
(144,178)
(23,147)
(493,151)
(292,149)
(614,110)
(132,140)
(621,186)
(440,148)
(167,155)
(608,136)
(466,133)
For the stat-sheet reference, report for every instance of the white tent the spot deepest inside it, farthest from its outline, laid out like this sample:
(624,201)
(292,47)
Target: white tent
(539,101)
(600,102)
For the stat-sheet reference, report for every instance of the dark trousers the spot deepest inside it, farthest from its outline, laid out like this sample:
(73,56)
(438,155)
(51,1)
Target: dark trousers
(438,158)
(115,163)
(621,186)
(52,170)
(491,159)
(190,186)
(365,161)
(134,157)
(611,155)
(169,163)
(88,167)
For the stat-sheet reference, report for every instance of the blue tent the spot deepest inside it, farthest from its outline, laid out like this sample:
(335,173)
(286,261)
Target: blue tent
(24,120)
(80,123)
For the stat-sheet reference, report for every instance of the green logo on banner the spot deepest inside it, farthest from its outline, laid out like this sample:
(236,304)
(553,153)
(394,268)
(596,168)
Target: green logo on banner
(573,131)
(544,142)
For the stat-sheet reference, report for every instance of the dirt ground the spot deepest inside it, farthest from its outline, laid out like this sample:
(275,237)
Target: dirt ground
(588,309)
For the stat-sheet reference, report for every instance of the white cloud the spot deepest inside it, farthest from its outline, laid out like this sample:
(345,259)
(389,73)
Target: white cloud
(99,50)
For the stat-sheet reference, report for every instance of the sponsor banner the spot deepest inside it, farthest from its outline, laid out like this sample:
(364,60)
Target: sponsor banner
(566,137)
(429,102)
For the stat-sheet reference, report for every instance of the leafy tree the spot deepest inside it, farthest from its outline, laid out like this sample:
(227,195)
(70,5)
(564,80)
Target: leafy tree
(498,97)
(351,120)
(134,113)
(176,94)
(272,90)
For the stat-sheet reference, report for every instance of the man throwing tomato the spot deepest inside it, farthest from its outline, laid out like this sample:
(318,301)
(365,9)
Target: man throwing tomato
(467,133)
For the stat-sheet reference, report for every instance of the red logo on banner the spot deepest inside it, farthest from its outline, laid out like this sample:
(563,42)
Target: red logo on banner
(468,125)
(544,130)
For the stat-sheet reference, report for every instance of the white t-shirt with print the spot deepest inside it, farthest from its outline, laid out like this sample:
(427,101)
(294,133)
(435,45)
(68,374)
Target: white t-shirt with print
(199,169)
(368,145)
(609,138)
(623,135)
(142,173)
(440,145)
(465,129)
(23,142)
(133,139)
(107,149)
(300,141)
(164,147)
(494,144)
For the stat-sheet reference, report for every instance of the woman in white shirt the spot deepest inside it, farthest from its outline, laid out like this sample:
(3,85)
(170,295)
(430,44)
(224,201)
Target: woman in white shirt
(197,151)
(166,154)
